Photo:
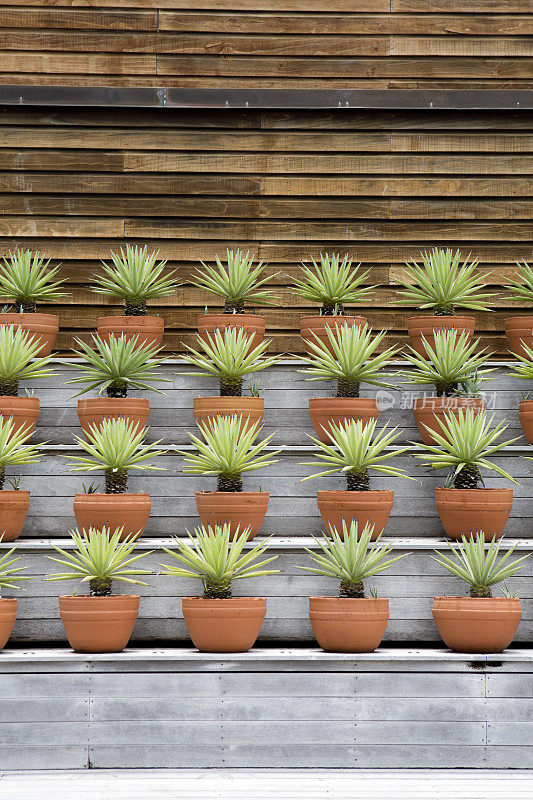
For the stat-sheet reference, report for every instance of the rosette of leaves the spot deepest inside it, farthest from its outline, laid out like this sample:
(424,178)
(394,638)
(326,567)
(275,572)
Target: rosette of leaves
(237,282)
(523,367)
(115,447)
(443,282)
(28,279)
(450,363)
(463,446)
(333,283)
(229,355)
(216,560)
(354,359)
(135,276)
(522,289)
(11,574)
(117,365)
(13,448)
(19,360)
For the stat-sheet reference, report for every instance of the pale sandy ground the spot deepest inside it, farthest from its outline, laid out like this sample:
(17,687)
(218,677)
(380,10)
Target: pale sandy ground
(263,785)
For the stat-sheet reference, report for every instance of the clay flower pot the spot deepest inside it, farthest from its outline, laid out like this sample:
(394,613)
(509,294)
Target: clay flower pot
(349,624)
(114,511)
(99,624)
(428,409)
(317,324)
(44,327)
(8,615)
(251,408)
(250,323)
(518,330)
(149,329)
(466,511)
(238,508)
(477,624)
(373,507)
(93,411)
(427,325)
(324,410)
(24,411)
(14,505)
(224,626)
(525,414)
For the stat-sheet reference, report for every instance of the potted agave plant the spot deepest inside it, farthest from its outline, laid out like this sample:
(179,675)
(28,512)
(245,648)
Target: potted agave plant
(115,366)
(229,355)
(218,622)
(524,370)
(237,283)
(455,369)
(227,451)
(115,447)
(135,277)
(350,622)
(19,361)
(10,576)
(350,359)
(101,622)
(353,451)
(519,329)
(28,279)
(14,502)
(479,623)
(332,283)
(463,445)
(442,283)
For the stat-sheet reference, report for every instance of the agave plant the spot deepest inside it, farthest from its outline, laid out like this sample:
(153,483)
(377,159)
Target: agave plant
(11,575)
(463,445)
(522,289)
(444,282)
(333,283)
(18,359)
(228,356)
(450,363)
(117,365)
(351,559)
(353,361)
(99,558)
(524,368)
(115,447)
(354,451)
(13,447)
(478,564)
(135,277)
(238,282)
(212,557)
(227,451)
(28,279)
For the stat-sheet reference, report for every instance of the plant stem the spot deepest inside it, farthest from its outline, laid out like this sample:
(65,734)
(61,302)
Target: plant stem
(27,306)
(2,477)
(446,390)
(135,308)
(100,587)
(352,589)
(468,478)
(480,591)
(444,312)
(234,307)
(117,390)
(230,388)
(115,481)
(217,591)
(229,483)
(9,388)
(347,388)
(332,310)
(358,481)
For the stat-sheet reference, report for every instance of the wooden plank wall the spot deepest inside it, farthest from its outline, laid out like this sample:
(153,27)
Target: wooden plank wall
(376,44)
(380,185)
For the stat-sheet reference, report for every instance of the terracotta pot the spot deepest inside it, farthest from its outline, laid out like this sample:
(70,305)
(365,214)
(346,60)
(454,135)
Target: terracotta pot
(149,329)
(349,624)
(525,414)
(477,624)
(317,324)
(14,505)
(8,615)
(238,508)
(466,511)
(99,624)
(251,408)
(250,323)
(93,411)
(427,325)
(44,327)
(113,510)
(373,507)
(24,411)
(324,410)
(224,626)
(518,330)
(428,410)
